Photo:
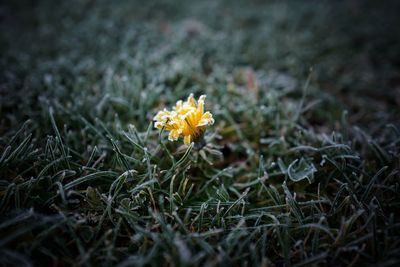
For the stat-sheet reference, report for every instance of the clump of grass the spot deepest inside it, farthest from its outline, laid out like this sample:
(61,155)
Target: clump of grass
(87,180)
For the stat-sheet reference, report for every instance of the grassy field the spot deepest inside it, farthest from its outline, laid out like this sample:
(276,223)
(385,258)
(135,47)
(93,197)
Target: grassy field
(300,168)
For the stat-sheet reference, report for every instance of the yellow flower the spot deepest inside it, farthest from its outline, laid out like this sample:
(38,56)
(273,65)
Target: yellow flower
(187,120)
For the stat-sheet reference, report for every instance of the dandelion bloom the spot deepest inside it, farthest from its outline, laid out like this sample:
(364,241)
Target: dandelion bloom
(187,120)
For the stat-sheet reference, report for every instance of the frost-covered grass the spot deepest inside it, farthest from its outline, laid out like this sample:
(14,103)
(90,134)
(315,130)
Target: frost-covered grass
(301,166)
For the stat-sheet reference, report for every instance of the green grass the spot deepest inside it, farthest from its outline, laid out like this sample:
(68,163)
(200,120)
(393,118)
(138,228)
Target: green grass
(302,169)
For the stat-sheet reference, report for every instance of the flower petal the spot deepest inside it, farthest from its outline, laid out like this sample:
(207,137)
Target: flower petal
(206,119)
(191,101)
(159,125)
(187,139)
(200,104)
(174,134)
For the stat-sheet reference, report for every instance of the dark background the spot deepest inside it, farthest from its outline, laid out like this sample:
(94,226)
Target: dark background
(352,46)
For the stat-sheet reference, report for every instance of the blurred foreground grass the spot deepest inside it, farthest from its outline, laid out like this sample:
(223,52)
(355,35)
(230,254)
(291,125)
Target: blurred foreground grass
(289,177)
